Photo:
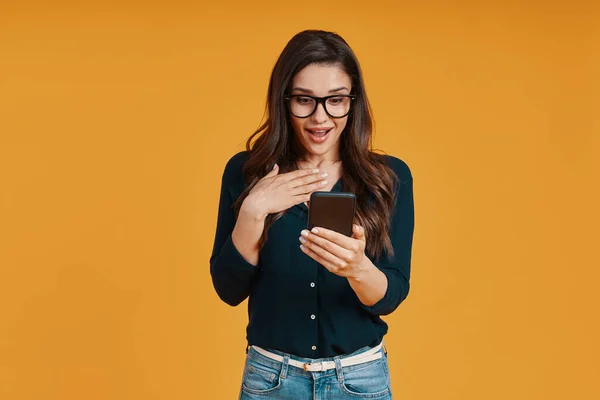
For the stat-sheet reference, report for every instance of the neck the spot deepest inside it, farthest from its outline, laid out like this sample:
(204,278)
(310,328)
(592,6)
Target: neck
(316,160)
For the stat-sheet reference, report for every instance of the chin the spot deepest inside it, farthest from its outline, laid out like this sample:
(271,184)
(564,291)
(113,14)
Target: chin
(316,150)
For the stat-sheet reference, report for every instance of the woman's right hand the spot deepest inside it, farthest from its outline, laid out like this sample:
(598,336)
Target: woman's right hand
(277,192)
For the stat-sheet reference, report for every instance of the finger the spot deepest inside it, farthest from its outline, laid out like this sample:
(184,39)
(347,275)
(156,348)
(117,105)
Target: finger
(324,254)
(337,238)
(336,250)
(309,188)
(273,172)
(358,232)
(308,179)
(299,173)
(321,260)
(300,198)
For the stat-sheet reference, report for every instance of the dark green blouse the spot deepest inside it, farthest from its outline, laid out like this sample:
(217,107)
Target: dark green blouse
(296,305)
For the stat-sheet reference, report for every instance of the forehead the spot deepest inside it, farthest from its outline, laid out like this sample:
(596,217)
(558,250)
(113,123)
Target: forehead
(321,78)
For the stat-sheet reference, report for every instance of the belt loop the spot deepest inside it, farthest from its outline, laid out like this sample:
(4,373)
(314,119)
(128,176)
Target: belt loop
(338,369)
(285,365)
(384,346)
(247,347)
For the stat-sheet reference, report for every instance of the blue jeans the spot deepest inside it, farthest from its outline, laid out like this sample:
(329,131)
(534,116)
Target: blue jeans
(265,378)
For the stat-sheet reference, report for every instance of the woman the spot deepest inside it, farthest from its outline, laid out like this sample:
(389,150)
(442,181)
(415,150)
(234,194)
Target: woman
(315,298)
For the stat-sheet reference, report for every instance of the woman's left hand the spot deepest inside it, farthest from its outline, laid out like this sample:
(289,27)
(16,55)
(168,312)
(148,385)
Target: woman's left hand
(340,254)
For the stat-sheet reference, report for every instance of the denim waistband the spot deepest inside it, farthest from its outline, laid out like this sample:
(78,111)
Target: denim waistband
(255,356)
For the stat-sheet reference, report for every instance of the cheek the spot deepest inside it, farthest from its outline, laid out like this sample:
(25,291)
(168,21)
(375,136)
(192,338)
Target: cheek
(341,124)
(297,125)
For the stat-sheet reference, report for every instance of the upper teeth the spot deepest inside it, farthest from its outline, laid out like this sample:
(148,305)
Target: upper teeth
(322,131)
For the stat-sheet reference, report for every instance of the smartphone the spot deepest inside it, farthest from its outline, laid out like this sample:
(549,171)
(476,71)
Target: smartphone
(332,210)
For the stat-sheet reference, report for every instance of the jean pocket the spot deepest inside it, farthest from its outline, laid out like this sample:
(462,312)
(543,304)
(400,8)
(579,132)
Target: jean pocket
(259,379)
(367,382)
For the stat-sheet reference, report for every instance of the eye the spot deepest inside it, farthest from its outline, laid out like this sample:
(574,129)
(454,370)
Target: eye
(302,100)
(334,101)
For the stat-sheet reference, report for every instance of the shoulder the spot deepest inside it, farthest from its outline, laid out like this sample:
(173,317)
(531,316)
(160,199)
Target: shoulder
(233,172)
(398,165)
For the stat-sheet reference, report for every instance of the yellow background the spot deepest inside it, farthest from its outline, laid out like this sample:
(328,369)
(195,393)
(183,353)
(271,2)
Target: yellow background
(116,121)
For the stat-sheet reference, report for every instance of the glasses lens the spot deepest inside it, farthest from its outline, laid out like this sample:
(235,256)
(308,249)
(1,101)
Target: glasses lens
(338,106)
(302,106)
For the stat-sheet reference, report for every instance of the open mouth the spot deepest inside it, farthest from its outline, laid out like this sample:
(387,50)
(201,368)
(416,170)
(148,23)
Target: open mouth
(318,135)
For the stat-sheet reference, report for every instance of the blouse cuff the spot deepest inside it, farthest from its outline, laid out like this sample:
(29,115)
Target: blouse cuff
(234,261)
(385,304)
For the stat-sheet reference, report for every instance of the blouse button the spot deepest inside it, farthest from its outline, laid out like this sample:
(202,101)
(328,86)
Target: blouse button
(312,284)
(314,347)
(312,316)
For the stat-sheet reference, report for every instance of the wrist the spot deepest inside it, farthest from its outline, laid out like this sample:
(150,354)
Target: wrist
(252,212)
(364,269)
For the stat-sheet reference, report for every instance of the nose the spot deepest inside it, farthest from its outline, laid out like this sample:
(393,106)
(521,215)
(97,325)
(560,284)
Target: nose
(319,116)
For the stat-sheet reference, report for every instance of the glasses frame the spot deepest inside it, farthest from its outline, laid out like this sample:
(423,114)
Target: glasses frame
(320,100)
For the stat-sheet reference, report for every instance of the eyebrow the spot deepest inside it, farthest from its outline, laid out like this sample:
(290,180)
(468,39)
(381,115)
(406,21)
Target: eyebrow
(301,89)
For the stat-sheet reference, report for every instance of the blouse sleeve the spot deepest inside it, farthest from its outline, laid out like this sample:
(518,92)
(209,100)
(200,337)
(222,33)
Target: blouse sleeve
(231,274)
(401,236)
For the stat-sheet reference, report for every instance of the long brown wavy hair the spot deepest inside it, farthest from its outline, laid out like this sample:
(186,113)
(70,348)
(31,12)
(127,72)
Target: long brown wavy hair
(365,173)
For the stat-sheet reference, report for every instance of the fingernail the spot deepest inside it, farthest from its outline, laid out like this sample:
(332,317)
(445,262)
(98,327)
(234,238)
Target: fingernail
(275,166)
(304,232)
(302,248)
(316,170)
(302,240)
(315,230)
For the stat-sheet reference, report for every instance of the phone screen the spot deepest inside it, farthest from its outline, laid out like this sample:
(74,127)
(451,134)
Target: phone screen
(332,210)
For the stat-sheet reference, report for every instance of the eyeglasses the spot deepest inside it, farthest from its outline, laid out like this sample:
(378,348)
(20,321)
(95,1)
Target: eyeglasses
(336,106)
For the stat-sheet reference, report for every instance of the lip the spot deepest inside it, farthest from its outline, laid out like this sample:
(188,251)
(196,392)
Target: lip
(324,128)
(317,139)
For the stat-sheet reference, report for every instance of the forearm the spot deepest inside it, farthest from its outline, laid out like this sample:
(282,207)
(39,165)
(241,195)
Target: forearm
(246,234)
(370,284)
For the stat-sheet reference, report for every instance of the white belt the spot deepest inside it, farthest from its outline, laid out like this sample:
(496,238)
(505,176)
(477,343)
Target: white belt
(369,355)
